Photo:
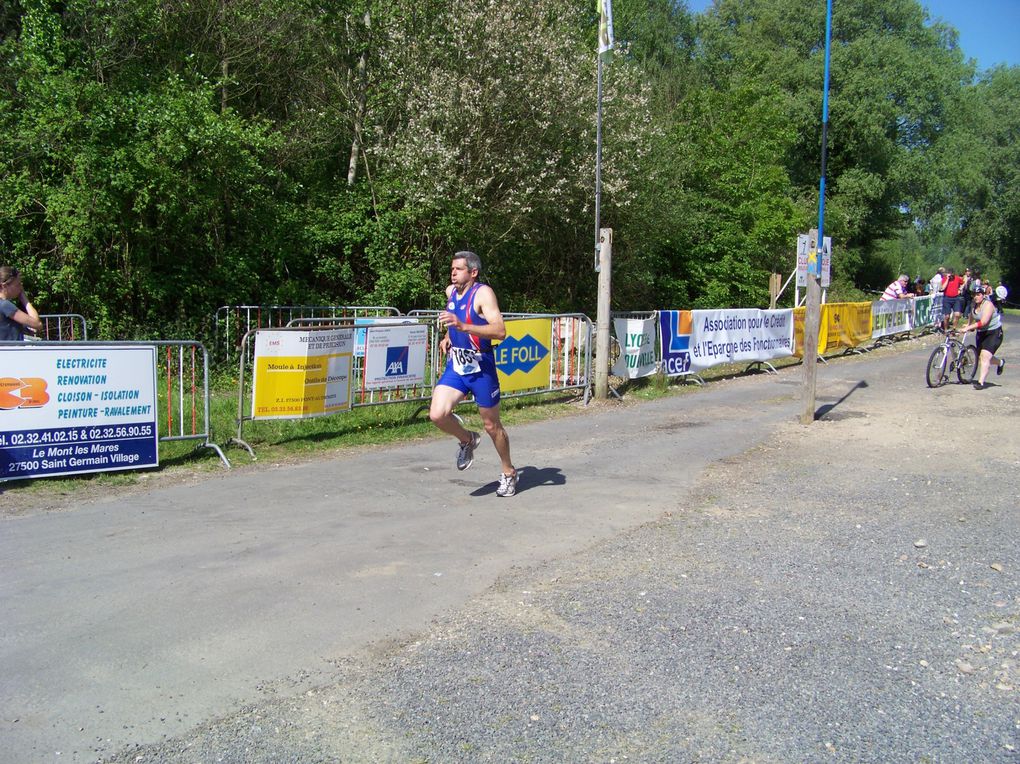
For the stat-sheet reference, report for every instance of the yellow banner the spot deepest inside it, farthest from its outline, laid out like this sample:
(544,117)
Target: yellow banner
(848,324)
(843,325)
(798,333)
(522,358)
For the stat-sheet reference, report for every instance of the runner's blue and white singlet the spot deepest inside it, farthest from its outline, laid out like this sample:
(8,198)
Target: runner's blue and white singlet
(466,350)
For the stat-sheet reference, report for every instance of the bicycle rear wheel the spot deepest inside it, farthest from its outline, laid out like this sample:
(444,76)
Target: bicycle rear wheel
(935,374)
(967,364)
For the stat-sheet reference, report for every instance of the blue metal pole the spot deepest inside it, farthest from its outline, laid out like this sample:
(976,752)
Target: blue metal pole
(598,165)
(816,267)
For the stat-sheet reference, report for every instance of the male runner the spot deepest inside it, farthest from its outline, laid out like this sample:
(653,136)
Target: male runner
(472,320)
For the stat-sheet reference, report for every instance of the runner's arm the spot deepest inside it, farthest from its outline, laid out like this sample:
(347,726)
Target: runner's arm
(488,308)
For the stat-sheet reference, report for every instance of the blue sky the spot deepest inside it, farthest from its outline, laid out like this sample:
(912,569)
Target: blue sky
(989,29)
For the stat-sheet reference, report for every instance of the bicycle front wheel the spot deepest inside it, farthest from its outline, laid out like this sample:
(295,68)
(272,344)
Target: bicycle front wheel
(935,374)
(967,364)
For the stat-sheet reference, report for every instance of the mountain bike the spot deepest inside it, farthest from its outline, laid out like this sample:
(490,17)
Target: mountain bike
(951,355)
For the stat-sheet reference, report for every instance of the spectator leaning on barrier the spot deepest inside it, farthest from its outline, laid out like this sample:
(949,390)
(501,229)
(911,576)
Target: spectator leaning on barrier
(16,311)
(897,290)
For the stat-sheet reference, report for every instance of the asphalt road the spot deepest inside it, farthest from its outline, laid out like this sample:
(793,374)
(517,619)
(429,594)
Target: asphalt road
(693,579)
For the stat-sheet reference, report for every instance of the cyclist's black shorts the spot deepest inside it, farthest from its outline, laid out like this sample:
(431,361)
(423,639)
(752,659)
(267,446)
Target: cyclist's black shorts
(989,341)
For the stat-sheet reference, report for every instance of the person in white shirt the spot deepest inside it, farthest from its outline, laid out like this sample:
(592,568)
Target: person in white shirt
(897,290)
(938,283)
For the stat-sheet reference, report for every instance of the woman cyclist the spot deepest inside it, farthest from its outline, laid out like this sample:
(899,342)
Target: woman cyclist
(988,322)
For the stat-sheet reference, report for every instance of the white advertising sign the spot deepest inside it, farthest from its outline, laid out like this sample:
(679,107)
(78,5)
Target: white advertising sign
(740,335)
(890,317)
(804,254)
(362,325)
(395,356)
(637,347)
(803,248)
(71,410)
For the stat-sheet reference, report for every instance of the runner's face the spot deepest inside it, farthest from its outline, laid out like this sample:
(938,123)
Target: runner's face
(460,275)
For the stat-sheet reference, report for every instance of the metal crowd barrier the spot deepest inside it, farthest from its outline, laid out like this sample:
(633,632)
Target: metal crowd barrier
(233,322)
(573,342)
(361,396)
(63,327)
(570,362)
(184,368)
(184,395)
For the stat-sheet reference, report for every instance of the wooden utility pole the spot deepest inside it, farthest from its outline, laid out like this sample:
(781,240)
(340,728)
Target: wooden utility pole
(813,314)
(602,316)
(812,324)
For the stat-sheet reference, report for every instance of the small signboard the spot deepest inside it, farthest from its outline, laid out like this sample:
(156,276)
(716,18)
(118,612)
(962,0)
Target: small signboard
(395,356)
(302,374)
(75,410)
(807,258)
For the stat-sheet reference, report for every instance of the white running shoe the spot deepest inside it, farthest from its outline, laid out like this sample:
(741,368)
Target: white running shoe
(466,454)
(507,485)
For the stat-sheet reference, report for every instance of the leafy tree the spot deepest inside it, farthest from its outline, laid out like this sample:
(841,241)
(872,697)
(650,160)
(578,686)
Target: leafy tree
(893,74)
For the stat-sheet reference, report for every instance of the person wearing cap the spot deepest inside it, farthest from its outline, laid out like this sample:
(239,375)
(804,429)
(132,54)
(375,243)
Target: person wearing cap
(897,290)
(17,313)
(988,322)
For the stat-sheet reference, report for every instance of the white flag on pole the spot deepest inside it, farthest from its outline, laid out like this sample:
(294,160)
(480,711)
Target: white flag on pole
(606,41)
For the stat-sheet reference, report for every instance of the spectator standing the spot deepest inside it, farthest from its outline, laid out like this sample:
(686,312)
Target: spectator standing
(935,287)
(17,313)
(952,299)
(966,290)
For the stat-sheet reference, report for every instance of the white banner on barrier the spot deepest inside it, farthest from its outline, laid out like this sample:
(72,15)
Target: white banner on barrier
(70,410)
(395,356)
(890,317)
(637,347)
(740,335)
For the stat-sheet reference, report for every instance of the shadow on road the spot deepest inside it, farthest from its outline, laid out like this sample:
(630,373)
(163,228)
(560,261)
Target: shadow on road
(528,477)
(821,411)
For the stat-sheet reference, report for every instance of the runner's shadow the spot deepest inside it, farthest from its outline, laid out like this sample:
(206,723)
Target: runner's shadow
(527,477)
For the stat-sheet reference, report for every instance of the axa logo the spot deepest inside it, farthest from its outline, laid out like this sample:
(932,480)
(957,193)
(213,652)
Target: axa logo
(396,361)
(519,354)
(24,393)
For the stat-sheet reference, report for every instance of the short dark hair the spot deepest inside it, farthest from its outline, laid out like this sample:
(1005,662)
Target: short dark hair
(474,262)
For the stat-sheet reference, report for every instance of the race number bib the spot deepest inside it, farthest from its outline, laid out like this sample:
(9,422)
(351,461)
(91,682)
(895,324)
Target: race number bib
(466,360)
